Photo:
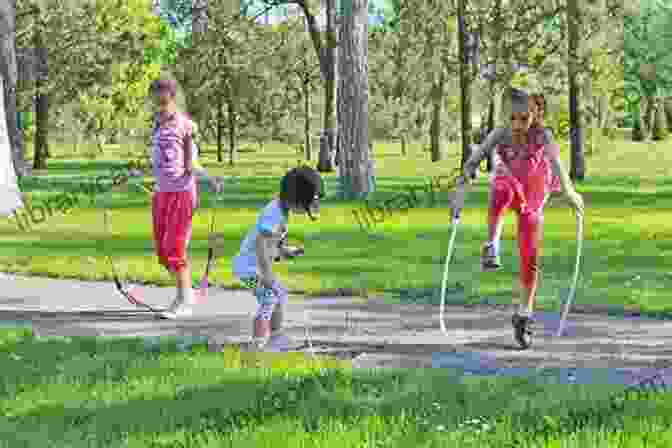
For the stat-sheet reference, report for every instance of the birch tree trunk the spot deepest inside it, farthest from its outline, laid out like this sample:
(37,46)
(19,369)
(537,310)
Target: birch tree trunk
(10,197)
(9,72)
(353,99)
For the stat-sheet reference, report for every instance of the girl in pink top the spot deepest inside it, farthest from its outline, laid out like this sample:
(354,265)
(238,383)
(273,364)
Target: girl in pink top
(528,170)
(175,196)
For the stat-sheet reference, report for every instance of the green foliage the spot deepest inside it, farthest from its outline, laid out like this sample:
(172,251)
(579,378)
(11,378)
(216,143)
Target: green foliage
(648,36)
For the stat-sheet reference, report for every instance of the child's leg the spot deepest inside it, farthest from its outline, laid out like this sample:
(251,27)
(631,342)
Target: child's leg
(502,196)
(504,191)
(277,318)
(529,239)
(270,312)
(173,214)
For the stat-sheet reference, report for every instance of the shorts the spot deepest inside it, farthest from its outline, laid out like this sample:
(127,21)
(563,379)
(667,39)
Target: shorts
(267,298)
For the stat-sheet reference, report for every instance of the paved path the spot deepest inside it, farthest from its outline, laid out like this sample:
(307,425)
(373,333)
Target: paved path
(479,338)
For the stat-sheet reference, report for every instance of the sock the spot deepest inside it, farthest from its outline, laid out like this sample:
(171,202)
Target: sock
(497,237)
(189,296)
(523,310)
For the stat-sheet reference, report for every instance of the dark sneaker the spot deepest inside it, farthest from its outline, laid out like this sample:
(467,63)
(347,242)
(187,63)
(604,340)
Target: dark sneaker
(522,330)
(490,258)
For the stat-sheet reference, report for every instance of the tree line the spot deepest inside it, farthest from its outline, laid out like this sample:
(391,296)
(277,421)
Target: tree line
(408,79)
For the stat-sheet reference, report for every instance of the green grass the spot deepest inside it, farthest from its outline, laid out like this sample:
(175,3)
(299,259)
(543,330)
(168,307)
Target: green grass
(628,193)
(87,392)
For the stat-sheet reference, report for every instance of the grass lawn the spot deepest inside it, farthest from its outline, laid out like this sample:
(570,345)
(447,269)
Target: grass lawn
(86,392)
(628,194)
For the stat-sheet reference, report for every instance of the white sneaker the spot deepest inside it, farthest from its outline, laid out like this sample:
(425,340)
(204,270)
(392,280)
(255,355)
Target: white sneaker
(258,345)
(178,309)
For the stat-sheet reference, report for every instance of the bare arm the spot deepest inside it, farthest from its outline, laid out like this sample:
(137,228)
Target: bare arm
(553,154)
(188,154)
(485,149)
(264,241)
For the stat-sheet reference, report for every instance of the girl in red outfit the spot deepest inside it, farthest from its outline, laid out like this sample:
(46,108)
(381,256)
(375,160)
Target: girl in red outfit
(175,196)
(526,173)
(490,259)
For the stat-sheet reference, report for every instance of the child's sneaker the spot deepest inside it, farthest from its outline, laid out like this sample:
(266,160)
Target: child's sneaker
(522,330)
(490,258)
(179,308)
(258,344)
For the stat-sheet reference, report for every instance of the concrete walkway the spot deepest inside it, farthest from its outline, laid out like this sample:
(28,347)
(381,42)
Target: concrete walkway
(374,333)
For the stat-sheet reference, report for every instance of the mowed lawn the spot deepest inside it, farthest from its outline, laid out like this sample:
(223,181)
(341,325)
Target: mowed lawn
(86,392)
(625,264)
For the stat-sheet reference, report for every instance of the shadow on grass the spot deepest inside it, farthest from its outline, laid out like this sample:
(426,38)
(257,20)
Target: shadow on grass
(246,402)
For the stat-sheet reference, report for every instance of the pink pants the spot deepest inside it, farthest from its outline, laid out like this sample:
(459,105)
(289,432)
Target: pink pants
(506,193)
(171,215)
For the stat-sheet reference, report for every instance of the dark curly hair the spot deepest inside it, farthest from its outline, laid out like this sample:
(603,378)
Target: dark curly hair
(301,186)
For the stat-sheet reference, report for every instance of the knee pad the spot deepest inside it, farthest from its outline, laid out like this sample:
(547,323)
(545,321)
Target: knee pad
(265,312)
(267,299)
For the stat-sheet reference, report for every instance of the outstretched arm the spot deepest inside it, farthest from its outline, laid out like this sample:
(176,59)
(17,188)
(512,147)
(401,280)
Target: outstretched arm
(553,153)
(485,149)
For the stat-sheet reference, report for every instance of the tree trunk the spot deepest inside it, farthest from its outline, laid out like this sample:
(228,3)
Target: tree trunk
(667,106)
(232,125)
(306,110)
(645,106)
(199,25)
(465,86)
(435,128)
(11,196)
(41,143)
(578,163)
(637,134)
(220,129)
(353,99)
(659,120)
(328,61)
(605,115)
(404,151)
(490,127)
(199,17)
(9,72)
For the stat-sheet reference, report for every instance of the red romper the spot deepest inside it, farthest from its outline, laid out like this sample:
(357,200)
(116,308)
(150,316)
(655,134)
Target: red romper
(525,191)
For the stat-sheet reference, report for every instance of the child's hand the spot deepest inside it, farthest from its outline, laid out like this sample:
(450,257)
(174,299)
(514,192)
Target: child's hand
(576,200)
(290,252)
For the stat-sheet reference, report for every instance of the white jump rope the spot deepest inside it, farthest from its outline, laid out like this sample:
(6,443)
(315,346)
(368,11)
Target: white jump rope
(570,297)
